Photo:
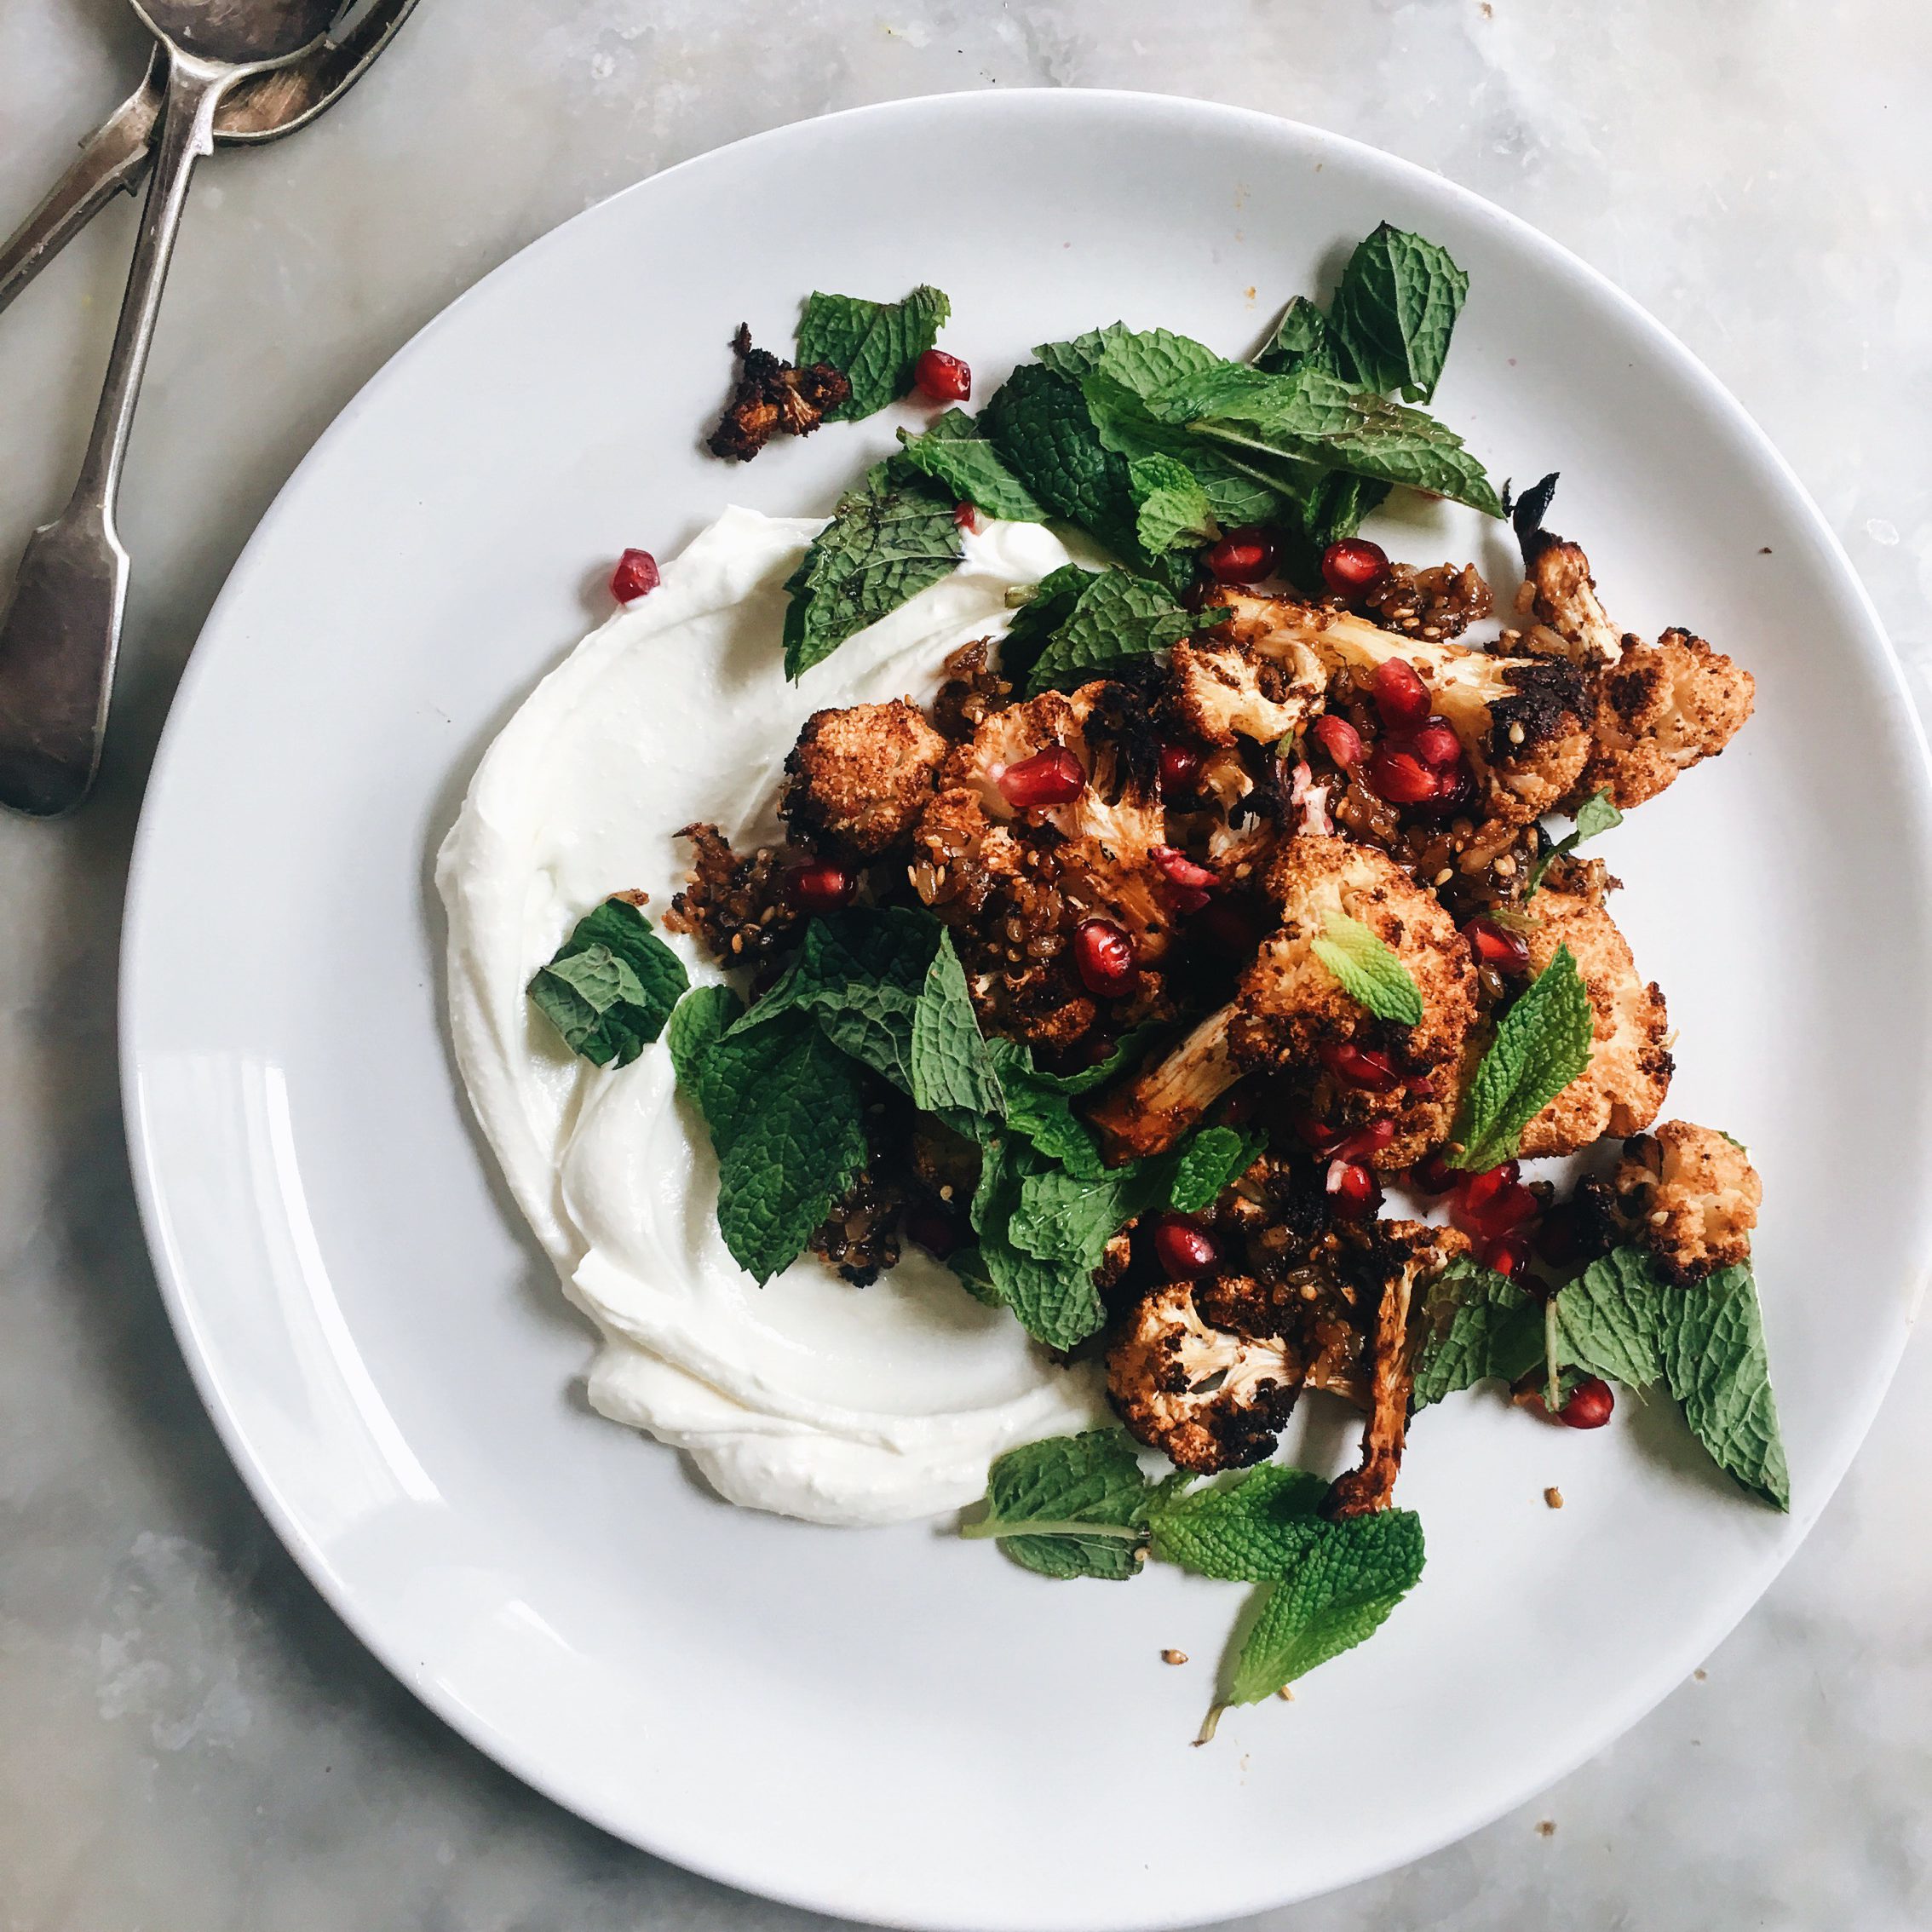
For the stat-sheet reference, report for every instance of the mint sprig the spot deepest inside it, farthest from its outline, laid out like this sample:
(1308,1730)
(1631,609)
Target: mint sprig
(1369,970)
(1172,511)
(1395,310)
(1072,1506)
(1596,814)
(954,453)
(1542,1044)
(609,988)
(952,1070)
(875,344)
(701,1020)
(1115,617)
(1474,1325)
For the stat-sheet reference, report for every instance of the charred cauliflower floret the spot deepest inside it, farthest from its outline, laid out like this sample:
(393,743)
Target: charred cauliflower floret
(1629,1074)
(862,776)
(1662,708)
(774,399)
(1523,723)
(1691,1196)
(1222,694)
(1208,1399)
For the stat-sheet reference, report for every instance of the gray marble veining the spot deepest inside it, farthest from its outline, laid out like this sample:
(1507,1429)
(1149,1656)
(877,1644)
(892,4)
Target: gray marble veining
(187,1738)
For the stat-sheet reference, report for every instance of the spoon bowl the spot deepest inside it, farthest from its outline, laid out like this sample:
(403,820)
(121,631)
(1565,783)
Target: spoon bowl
(239,33)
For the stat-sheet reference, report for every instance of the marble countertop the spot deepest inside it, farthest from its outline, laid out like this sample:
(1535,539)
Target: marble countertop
(187,1737)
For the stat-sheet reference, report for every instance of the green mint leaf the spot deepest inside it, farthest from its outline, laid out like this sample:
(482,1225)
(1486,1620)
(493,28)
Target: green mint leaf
(1395,310)
(1040,424)
(1336,505)
(611,986)
(1597,815)
(874,343)
(1619,1319)
(971,468)
(786,1112)
(1475,1325)
(1368,970)
(970,1266)
(1301,339)
(1072,1506)
(1252,1529)
(1141,360)
(1061,1217)
(886,543)
(1054,1296)
(1542,1044)
(1118,616)
(951,1069)
(1040,612)
(701,1019)
(1039,1107)
(1208,1164)
(1172,510)
(1336,1593)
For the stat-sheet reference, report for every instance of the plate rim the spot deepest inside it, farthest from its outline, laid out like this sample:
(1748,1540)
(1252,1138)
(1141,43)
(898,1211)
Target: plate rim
(1647,1689)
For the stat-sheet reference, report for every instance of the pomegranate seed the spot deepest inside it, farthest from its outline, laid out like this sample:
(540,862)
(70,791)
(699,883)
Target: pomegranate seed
(965,516)
(1361,1066)
(1433,1173)
(635,577)
(1185,1252)
(1455,790)
(933,1229)
(1590,1404)
(1436,745)
(1104,956)
(1401,778)
(820,889)
(1317,1137)
(1365,1141)
(1340,740)
(1493,1204)
(1352,1192)
(1422,1088)
(1178,765)
(1353,566)
(1401,698)
(1242,556)
(1496,946)
(943,377)
(1508,1254)
(1178,869)
(1052,777)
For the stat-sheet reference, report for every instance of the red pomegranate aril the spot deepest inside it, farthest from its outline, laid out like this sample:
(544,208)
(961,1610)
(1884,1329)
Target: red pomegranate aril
(933,1229)
(1179,763)
(1103,954)
(1401,778)
(1365,1141)
(1361,1066)
(1052,777)
(1353,566)
(1242,556)
(1589,1404)
(1437,746)
(1178,869)
(822,888)
(1490,1204)
(965,516)
(1508,1254)
(1496,946)
(1184,1251)
(1317,1136)
(943,377)
(635,577)
(1352,1192)
(1340,740)
(1401,698)
(1433,1173)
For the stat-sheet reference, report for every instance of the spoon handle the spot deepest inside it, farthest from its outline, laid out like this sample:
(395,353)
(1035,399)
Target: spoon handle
(59,637)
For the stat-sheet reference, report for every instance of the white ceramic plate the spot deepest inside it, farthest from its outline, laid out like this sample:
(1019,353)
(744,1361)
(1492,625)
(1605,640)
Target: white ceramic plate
(894,1724)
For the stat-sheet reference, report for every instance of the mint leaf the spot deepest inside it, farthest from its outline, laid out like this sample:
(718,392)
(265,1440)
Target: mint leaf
(1597,815)
(1062,1217)
(885,543)
(1394,312)
(1053,1295)
(702,1018)
(953,452)
(1542,1044)
(1337,1592)
(1368,970)
(1301,338)
(1039,423)
(1335,504)
(874,343)
(1172,510)
(786,1112)
(970,1266)
(1117,617)
(1249,1530)
(1208,1164)
(1042,1110)
(951,1070)
(1072,1506)
(1475,1325)
(1619,1319)
(611,986)
(1039,609)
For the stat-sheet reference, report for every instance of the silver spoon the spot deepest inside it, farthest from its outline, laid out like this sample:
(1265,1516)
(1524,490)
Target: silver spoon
(58,640)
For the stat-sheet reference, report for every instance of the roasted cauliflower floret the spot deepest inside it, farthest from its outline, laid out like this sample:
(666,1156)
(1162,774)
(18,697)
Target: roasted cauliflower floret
(1153,1110)
(1207,1399)
(862,776)
(1691,1196)
(1629,1074)
(1524,722)
(771,398)
(1567,620)
(1662,708)
(1223,694)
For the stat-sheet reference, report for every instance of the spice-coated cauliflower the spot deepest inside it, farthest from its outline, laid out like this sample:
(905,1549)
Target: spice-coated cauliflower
(1221,693)
(861,776)
(1691,1196)
(1662,708)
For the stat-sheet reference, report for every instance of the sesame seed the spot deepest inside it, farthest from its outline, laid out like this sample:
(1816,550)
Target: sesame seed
(1447,873)
(1286,1693)
(1516,734)
(1174,1657)
(1554,1497)
(737,942)
(945,1193)
(1659,1216)
(1505,866)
